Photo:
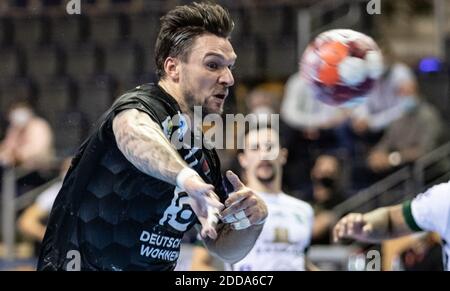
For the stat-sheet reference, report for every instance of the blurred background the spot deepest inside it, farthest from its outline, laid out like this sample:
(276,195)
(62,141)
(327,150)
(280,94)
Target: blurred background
(60,72)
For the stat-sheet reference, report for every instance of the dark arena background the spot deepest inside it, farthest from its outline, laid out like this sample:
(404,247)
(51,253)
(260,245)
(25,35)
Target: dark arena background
(67,61)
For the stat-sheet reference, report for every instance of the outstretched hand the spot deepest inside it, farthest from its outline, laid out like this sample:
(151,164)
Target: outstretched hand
(353,226)
(205,204)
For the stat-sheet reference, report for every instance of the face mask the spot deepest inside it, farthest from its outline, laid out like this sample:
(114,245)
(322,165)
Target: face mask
(326,182)
(20,117)
(409,103)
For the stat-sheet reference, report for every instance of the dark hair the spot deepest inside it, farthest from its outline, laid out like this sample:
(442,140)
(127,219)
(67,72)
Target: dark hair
(255,127)
(181,26)
(20,104)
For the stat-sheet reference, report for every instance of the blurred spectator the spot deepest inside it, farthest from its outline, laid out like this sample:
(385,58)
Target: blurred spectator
(262,103)
(301,110)
(386,103)
(28,147)
(31,220)
(327,193)
(28,143)
(311,130)
(414,134)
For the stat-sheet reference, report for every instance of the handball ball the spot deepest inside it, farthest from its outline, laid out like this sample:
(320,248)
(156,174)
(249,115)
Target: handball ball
(341,66)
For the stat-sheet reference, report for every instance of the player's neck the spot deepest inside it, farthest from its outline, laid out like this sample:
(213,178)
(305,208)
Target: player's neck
(173,90)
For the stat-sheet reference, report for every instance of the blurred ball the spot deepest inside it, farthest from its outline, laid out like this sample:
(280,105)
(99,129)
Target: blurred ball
(341,66)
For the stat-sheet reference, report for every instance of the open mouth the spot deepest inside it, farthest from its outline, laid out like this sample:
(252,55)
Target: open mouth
(220,96)
(265,164)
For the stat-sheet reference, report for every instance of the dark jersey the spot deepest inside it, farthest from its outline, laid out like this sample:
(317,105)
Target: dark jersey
(110,216)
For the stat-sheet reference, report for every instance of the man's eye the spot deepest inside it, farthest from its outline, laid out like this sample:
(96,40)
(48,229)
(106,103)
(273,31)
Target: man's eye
(212,66)
(254,147)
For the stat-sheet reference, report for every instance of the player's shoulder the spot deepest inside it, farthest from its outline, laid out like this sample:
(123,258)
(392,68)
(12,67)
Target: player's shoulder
(146,93)
(148,98)
(297,203)
(436,198)
(436,193)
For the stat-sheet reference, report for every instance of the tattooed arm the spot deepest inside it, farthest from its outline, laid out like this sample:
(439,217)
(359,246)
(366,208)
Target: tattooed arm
(144,144)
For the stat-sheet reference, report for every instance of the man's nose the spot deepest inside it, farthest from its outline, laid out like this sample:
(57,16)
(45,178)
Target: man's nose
(269,153)
(226,78)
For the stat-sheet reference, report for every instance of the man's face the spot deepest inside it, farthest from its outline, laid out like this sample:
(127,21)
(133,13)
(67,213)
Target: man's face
(206,75)
(325,166)
(260,146)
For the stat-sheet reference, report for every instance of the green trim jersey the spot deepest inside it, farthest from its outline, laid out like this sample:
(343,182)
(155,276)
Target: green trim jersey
(430,211)
(285,237)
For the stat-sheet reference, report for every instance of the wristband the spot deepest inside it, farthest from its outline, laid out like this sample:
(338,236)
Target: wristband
(183,175)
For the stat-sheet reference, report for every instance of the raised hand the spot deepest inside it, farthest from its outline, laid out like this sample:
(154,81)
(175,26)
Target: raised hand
(243,207)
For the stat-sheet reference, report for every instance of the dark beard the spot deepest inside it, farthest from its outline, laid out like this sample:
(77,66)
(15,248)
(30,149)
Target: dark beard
(190,102)
(270,178)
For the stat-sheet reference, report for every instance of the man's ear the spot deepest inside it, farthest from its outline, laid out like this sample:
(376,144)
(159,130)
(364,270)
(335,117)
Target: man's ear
(172,68)
(283,156)
(242,160)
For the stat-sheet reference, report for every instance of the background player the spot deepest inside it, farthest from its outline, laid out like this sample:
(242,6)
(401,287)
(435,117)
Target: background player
(287,232)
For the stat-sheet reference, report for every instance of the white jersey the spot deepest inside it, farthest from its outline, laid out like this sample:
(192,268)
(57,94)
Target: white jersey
(430,211)
(284,238)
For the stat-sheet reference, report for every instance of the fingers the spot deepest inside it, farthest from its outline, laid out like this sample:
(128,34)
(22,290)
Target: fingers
(239,220)
(202,205)
(235,181)
(214,200)
(234,217)
(238,196)
(211,233)
(209,223)
(241,224)
(208,230)
(250,218)
(351,226)
(337,230)
(245,213)
(205,203)
(245,202)
(367,229)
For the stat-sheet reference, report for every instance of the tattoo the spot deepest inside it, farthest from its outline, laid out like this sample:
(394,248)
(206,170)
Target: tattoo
(143,143)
